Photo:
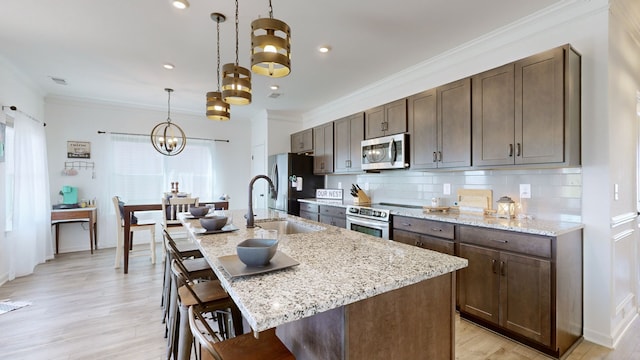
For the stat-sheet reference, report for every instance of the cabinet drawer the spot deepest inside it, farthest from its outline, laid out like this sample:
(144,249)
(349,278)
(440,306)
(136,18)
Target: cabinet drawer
(333,211)
(308,207)
(313,216)
(423,241)
(426,227)
(534,245)
(335,221)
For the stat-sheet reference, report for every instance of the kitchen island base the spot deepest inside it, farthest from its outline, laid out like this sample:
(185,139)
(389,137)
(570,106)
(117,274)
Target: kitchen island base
(413,322)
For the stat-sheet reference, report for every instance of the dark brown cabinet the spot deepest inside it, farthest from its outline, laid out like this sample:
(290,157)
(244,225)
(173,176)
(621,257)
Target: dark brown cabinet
(323,149)
(309,211)
(439,122)
(348,133)
(333,215)
(427,234)
(302,142)
(524,286)
(385,120)
(528,112)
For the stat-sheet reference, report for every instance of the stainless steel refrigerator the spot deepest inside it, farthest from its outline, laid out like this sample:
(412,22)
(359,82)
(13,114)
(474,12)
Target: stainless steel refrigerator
(281,169)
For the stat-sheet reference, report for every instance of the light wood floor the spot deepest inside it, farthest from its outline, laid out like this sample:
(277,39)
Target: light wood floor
(83,308)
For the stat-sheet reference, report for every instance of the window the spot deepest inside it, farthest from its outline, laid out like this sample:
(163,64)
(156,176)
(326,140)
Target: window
(141,173)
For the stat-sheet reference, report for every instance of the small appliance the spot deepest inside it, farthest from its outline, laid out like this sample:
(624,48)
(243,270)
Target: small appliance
(69,194)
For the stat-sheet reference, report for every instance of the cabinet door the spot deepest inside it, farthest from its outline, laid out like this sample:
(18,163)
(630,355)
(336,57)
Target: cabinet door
(396,117)
(347,135)
(539,104)
(374,122)
(423,129)
(493,117)
(454,124)
(525,296)
(406,237)
(480,283)
(323,149)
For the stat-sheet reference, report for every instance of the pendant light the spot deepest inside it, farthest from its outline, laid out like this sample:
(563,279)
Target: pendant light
(168,138)
(217,109)
(236,80)
(270,46)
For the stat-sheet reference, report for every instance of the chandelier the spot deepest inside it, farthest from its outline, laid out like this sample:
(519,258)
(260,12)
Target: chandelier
(217,109)
(168,138)
(270,46)
(236,80)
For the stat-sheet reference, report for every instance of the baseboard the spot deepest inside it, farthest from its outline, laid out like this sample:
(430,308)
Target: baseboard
(598,338)
(4,278)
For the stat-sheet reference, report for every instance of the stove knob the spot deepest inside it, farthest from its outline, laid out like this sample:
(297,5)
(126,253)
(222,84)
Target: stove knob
(383,215)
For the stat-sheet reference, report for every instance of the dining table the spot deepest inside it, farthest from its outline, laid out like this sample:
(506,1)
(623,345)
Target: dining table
(132,206)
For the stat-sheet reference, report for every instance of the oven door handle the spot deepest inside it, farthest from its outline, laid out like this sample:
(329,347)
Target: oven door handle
(365,222)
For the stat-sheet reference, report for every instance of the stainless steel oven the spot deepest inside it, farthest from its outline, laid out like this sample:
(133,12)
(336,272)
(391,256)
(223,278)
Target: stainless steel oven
(375,222)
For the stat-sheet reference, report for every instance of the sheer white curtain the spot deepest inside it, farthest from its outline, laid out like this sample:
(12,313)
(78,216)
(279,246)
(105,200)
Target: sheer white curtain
(30,238)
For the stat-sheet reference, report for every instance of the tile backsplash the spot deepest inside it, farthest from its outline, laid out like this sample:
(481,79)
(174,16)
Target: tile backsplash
(556,194)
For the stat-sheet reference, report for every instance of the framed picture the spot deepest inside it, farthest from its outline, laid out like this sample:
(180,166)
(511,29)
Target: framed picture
(2,140)
(78,150)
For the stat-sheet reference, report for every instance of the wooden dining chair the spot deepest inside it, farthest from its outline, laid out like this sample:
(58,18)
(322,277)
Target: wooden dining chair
(171,207)
(242,347)
(140,226)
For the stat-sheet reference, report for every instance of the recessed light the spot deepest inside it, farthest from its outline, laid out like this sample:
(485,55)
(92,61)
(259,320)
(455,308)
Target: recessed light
(274,87)
(180,4)
(324,48)
(168,66)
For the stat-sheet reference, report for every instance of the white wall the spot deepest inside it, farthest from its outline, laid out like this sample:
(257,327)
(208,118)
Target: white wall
(72,119)
(15,90)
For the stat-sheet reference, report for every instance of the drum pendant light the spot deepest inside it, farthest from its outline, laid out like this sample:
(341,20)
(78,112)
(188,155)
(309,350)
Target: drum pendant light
(236,80)
(217,109)
(270,46)
(167,138)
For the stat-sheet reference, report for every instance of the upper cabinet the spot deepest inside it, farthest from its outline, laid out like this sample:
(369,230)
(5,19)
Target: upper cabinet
(302,142)
(528,112)
(440,126)
(348,132)
(385,120)
(323,149)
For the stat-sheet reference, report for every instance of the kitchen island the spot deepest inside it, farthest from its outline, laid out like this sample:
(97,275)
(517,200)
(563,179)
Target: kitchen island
(353,296)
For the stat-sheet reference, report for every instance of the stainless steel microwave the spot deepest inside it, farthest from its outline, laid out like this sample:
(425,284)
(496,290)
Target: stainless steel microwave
(387,152)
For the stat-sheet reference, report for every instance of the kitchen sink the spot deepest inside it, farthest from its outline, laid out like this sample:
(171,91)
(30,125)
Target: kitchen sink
(288,226)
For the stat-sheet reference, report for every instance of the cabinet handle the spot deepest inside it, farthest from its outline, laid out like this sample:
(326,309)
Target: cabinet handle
(503,271)
(406,224)
(493,266)
(500,241)
(510,150)
(435,157)
(518,148)
(436,229)
(418,243)
(440,156)
(347,163)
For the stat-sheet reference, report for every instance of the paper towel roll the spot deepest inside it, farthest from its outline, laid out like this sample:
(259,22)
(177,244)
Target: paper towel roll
(299,185)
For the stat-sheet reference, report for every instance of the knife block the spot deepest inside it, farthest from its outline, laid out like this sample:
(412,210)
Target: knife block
(362,199)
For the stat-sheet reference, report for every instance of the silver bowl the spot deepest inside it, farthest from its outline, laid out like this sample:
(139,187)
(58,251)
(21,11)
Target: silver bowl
(213,222)
(257,252)
(198,211)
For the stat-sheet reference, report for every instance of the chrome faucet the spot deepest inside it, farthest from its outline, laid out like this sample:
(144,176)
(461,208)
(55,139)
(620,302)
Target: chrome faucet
(274,194)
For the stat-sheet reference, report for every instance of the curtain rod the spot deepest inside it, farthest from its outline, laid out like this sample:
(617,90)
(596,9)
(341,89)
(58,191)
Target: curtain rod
(195,138)
(13,108)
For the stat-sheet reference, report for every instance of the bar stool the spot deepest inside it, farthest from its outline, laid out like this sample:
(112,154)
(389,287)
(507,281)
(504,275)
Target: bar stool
(210,296)
(246,347)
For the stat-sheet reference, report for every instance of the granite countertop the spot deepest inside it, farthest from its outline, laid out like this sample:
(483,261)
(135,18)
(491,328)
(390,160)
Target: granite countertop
(529,226)
(337,267)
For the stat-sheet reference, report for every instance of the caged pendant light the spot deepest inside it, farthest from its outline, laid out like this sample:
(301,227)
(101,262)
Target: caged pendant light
(217,109)
(270,46)
(168,138)
(236,80)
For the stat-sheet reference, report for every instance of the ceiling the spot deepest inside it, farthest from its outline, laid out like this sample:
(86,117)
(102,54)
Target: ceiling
(114,50)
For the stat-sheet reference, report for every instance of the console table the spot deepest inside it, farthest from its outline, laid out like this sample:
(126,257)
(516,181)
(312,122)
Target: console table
(87,214)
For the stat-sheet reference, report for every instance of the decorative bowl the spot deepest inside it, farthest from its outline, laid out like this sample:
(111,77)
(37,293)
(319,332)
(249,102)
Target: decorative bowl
(198,211)
(257,252)
(213,222)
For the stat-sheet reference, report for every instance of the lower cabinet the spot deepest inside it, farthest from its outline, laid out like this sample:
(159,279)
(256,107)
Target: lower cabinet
(333,215)
(528,287)
(427,234)
(309,211)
